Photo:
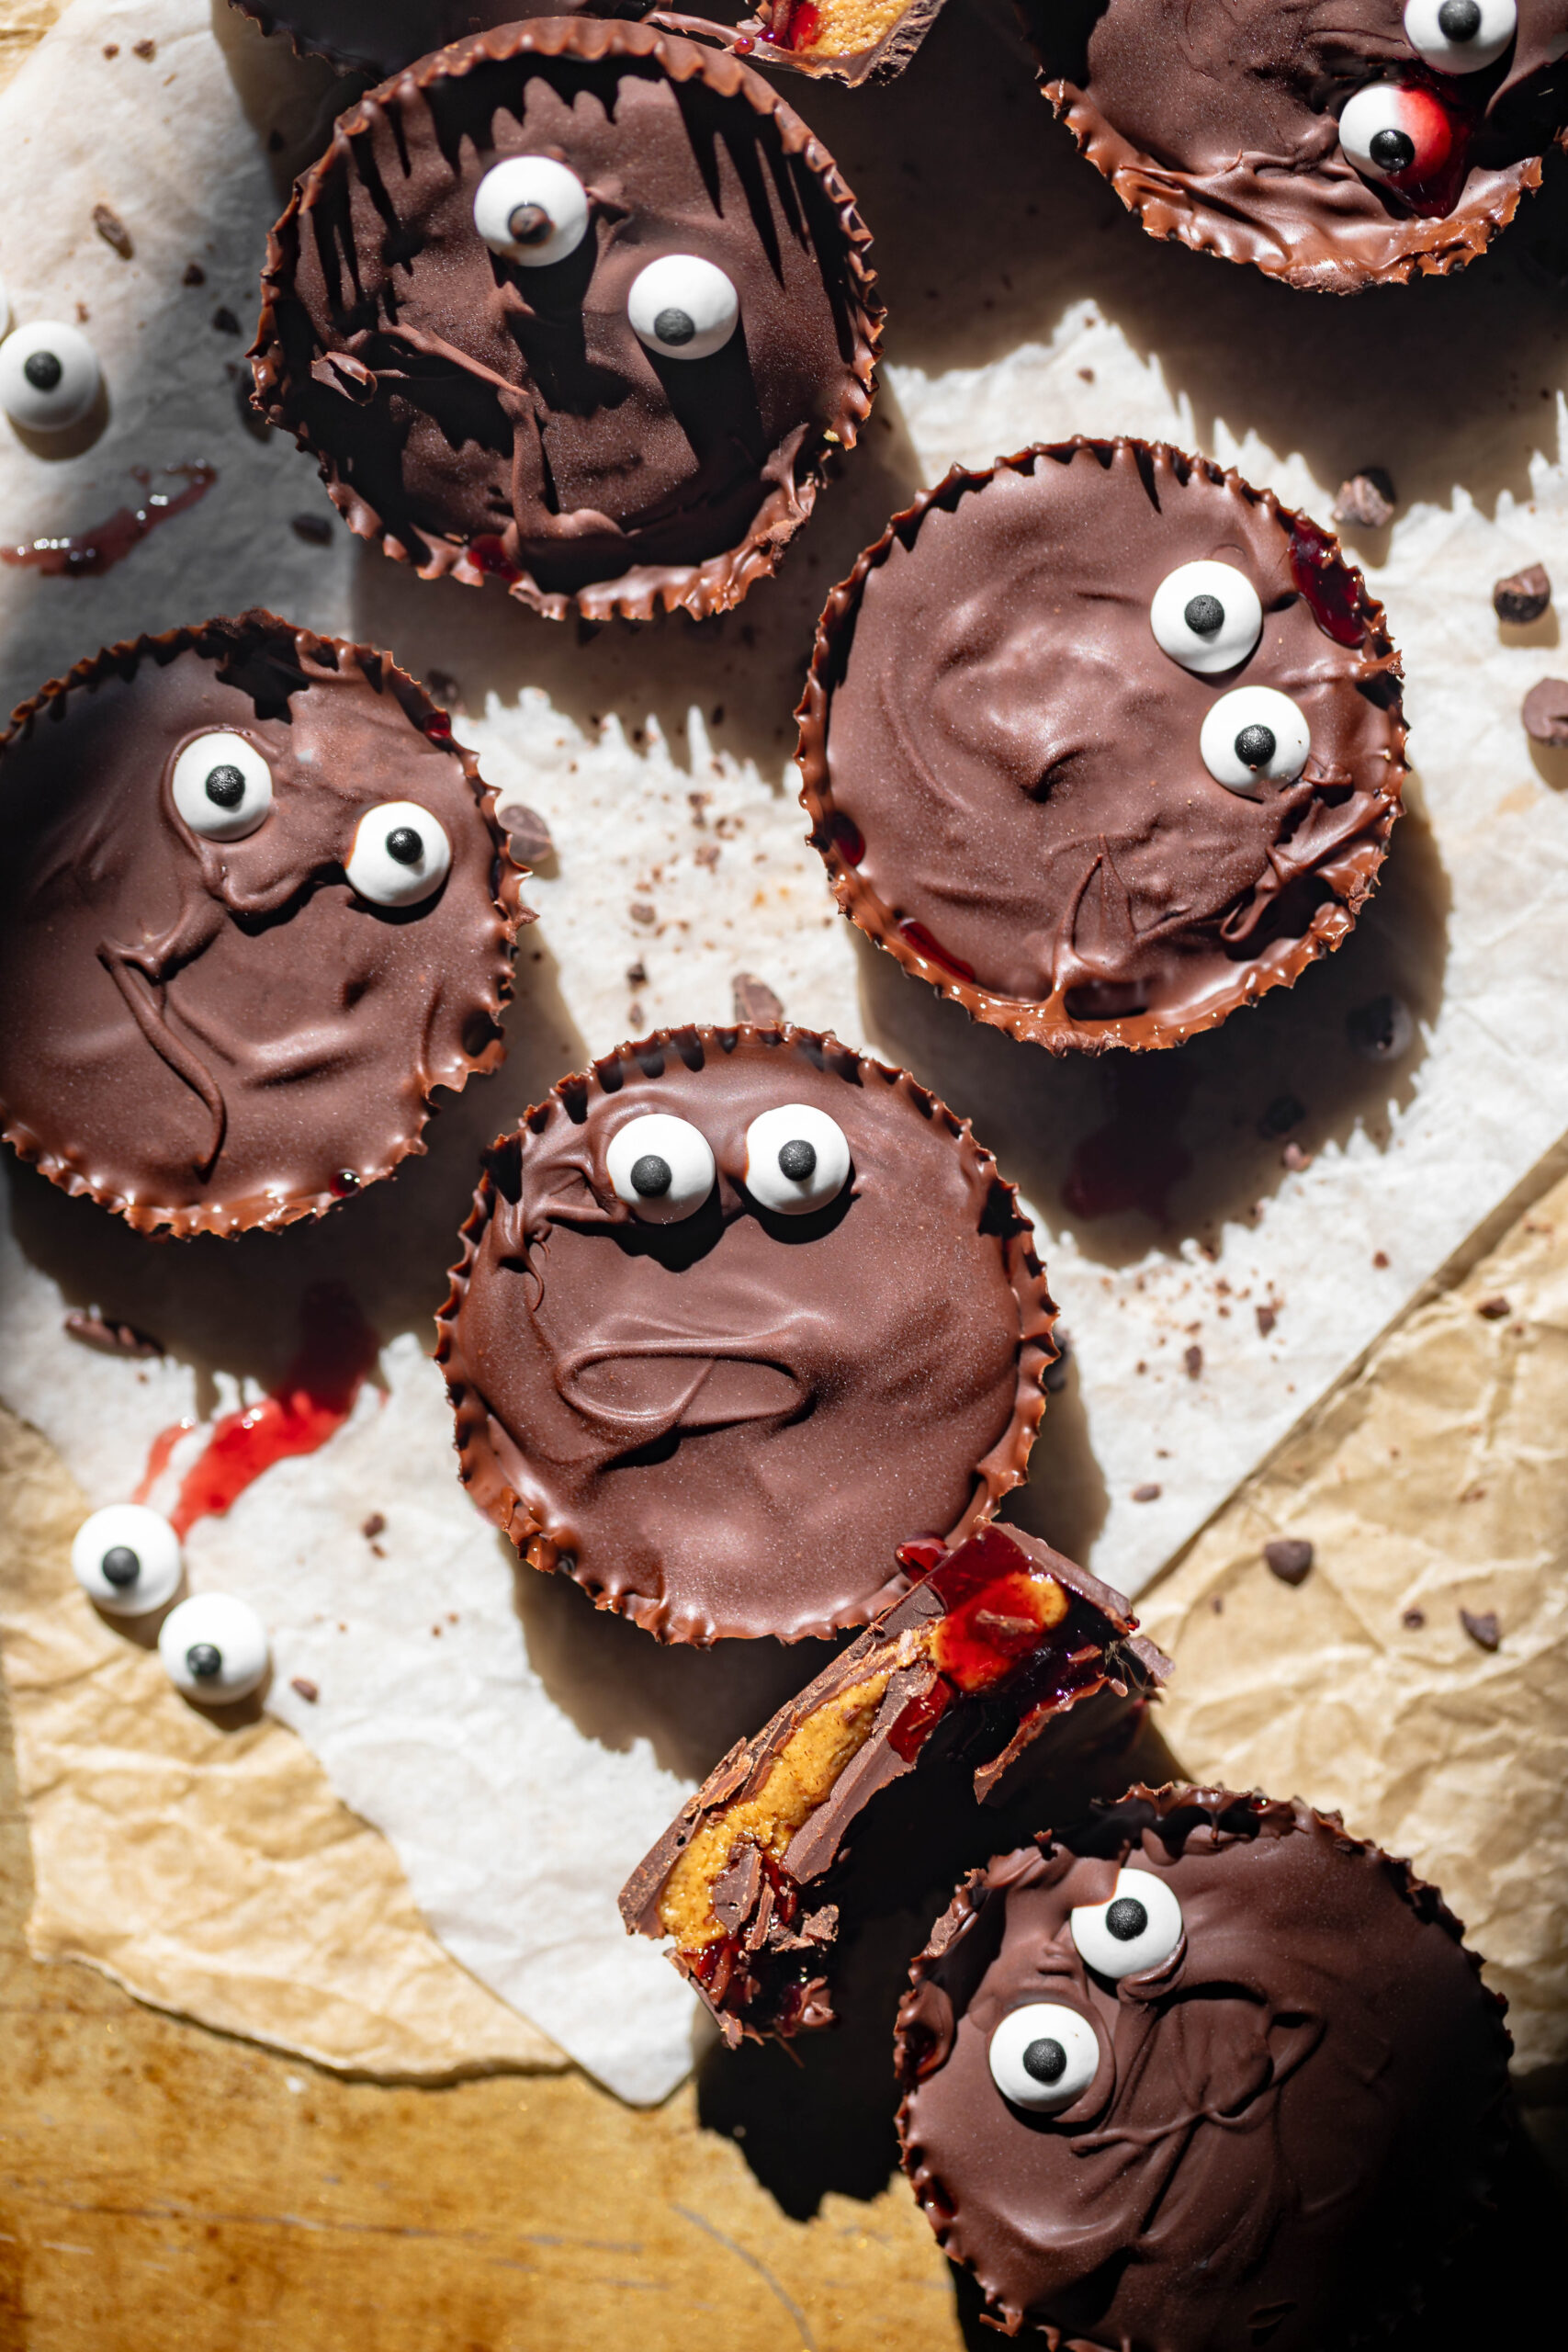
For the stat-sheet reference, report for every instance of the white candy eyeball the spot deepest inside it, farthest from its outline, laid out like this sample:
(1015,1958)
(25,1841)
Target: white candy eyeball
(1254,735)
(1208,617)
(400,854)
(127,1558)
(662,1166)
(1393,130)
(213,1647)
(797,1160)
(1045,2056)
(49,376)
(1461,36)
(1136,1929)
(222,786)
(682,307)
(532,210)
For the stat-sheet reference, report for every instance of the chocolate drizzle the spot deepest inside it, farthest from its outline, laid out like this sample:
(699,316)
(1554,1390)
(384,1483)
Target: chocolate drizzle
(1002,768)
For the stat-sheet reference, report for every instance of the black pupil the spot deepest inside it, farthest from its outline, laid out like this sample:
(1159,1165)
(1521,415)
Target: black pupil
(1204,615)
(797,1160)
(674,326)
(120,1566)
(1391,151)
(42,371)
(225,787)
(204,1660)
(405,844)
(1459,20)
(651,1176)
(1255,746)
(1126,1920)
(1046,2060)
(529,225)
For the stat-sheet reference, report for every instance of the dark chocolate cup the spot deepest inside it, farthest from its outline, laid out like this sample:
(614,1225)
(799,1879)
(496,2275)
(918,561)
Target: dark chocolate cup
(789,479)
(453,1031)
(1348,879)
(384,36)
(513,1449)
(1371,2252)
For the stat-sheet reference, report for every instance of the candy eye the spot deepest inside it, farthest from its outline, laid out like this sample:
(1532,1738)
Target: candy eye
(127,1558)
(399,855)
(1397,133)
(1207,616)
(532,210)
(1252,735)
(1136,1929)
(662,1166)
(1461,36)
(49,376)
(1045,2056)
(213,1647)
(682,307)
(222,787)
(796,1159)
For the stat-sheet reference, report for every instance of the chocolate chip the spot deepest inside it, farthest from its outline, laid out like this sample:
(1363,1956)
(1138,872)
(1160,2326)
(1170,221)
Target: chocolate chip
(1366,500)
(527,833)
(305,1687)
(754,1001)
(316,530)
(1545,711)
(1482,1627)
(1494,1310)
(1523,596)
(113,231)
(1290,1559)
(1146,1494)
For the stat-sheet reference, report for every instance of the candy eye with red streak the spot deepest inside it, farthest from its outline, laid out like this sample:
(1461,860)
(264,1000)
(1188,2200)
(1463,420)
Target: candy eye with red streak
(1399,133)
(1461,36)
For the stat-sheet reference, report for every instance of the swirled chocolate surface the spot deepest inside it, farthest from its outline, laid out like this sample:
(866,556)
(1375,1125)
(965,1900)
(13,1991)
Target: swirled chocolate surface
(1219,124)
(211,1034)
(1003,767)
(383,36)
(485,418)
(1291,2115)
(725,1425)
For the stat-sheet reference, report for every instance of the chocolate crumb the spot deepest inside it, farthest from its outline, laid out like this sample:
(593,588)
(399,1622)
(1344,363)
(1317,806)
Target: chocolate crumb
(1545,711)
(636,1014)
(1381,1030)
(82,315)
(1482,1627)
(1380,1258)
(147,48)
(194,274)
(225,322)
(708,854)
(1192,1360)
(529,833)
(113,231)
(111,48)
(1290,1559)
(636,975)
(314,530)
(1266,1319)
(755,1001)
(306,1687)
(1283,1114)
(1366,500)
(110,1338)
(1523,596)
(1146,1494)
(373,1526)
(1494,1310)
(640,911)
(1294,1156)
(1216,1603)
(1414,1619)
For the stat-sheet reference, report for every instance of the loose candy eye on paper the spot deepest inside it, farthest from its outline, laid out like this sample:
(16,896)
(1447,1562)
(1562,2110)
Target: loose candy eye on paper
(400,854)
(662,1166)
(222,786)
(1136,1929)
(1208,617)
(1043,2056)
(1255,736)
(49,376)
(531,211)
(797,1160)
(682,307)
(127,1558)
(214,1649)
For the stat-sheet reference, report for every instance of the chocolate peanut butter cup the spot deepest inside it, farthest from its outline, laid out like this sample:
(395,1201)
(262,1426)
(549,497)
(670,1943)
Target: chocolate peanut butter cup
(1336,147)
(736,1310)
(577,306)
(1103,743)
(381,37)
(254,908)
(1201,2074)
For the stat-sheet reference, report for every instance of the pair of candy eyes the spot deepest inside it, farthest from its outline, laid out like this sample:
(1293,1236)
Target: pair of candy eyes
(127,1558)
(797,1160)
(222,787)
(534,211)
(1392,131)
(1045,2054)
(1209,617)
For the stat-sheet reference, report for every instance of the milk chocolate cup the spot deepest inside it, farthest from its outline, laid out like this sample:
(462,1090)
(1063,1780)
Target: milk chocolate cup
(623,404)
(739,1311)
(254,909)
(1042,785)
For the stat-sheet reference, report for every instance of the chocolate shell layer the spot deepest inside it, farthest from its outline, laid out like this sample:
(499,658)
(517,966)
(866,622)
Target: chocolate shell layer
(381,37)
(626,397)
(1200,2074)
(1336,147)
(1001,1638)
(718,1393)
(1046,789)
(254,908)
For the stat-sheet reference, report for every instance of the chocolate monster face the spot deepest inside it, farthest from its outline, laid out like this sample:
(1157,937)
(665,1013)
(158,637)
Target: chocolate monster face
(253,909)
(1333,142)
(577,307)
(738,1314)
(1103,743)
(1203,2075)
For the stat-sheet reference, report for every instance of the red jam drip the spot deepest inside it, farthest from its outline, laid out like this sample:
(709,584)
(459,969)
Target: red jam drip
(492,556)
(921,1555)
(87,555)
(804,25)
(848,839)
(1324,582)
(438,726)
(1137,1158)
(914,1724)
(314,1398)
(1441,131)
(921,939)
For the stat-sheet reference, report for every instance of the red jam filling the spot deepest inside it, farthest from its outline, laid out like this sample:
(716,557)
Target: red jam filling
(1324,582)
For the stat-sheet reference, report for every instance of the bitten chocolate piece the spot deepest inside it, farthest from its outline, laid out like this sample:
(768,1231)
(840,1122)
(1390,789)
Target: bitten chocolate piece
(1523,597)
(1336,148)
(1201,2074)
(1103,743)
(735,1308)
(254,909)
(575,306)
(1002,1636)
(840,41)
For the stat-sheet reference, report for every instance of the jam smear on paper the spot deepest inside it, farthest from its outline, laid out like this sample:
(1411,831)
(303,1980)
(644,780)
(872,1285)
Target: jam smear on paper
(85,555)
